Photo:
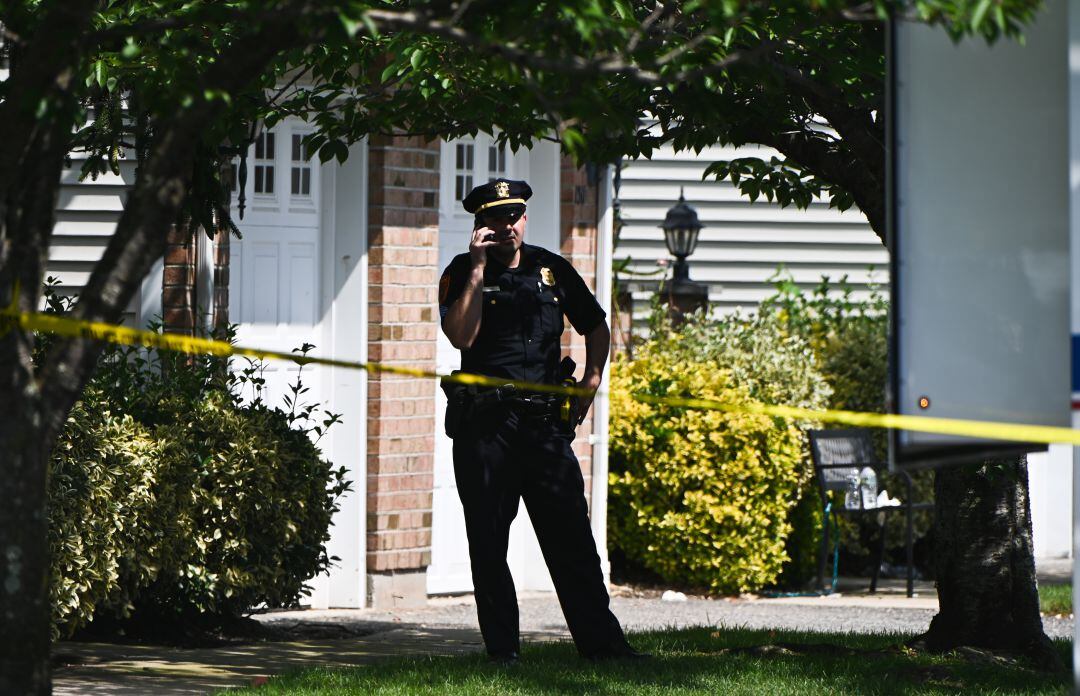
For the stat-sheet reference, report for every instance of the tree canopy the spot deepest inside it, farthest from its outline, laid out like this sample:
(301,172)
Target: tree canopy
(607,78)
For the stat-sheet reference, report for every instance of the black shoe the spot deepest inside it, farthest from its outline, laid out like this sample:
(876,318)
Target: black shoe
(504,659)
(624,652)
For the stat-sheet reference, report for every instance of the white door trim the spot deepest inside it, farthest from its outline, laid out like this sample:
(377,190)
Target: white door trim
(345,294)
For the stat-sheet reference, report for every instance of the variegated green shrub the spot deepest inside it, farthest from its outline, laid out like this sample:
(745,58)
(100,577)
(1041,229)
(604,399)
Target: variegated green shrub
(110,517)
(259,509)
(170,497)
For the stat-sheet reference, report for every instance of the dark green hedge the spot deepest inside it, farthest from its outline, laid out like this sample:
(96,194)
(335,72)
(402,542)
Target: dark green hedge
(849,334)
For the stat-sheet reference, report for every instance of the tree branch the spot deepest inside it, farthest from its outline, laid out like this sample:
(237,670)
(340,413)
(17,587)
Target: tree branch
(830,164)
(111,38)
(30,210)
(659,12)
(295,78)
(42,75)
(605,64)
(865,12)
(856,127)
(460,12)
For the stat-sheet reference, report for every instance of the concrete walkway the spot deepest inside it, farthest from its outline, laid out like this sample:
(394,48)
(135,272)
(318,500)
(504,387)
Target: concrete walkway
(126,670)
(448,626)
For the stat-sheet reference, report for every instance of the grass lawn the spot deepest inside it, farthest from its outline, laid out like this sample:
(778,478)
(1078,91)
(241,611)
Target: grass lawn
(695,661)
(1056,599)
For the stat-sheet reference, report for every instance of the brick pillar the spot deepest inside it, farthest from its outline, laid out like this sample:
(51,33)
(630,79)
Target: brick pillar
(578,219)
(178,282)
(180,303)
(403,275)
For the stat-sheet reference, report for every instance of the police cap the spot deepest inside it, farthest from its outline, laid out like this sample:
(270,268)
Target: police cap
(500,192)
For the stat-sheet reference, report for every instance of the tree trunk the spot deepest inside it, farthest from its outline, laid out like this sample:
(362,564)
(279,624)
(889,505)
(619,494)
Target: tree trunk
(24,549)
(984,561)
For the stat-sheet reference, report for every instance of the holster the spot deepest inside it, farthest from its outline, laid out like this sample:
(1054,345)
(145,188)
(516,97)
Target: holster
(465,402)
(570,406)
(459,405)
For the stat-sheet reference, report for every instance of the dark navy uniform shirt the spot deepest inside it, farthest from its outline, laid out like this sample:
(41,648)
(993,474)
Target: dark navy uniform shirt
(523,311)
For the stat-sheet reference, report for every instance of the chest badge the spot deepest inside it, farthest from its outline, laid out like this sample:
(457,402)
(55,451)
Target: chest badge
(547,277)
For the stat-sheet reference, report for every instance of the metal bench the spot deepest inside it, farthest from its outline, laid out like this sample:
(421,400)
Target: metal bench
(837,456)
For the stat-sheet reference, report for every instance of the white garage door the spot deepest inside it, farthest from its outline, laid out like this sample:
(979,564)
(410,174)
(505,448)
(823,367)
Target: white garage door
(274,289)
(467,163)
(302,261)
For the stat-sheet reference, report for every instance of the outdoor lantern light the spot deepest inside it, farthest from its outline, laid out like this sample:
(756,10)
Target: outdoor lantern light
(681,227)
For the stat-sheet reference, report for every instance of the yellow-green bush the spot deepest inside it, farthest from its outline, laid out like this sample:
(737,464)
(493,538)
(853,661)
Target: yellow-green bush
(703,497)
(223,508)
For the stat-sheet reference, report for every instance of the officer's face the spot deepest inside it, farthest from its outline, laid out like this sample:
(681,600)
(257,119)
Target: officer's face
(507,230)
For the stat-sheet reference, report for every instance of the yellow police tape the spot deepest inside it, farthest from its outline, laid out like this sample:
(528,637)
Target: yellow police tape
(122,335)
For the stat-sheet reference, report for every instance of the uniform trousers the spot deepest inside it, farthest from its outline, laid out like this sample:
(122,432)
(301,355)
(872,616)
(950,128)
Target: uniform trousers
(500,458)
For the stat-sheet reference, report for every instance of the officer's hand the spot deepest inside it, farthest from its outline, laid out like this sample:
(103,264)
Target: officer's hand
(482,238)
(584,402)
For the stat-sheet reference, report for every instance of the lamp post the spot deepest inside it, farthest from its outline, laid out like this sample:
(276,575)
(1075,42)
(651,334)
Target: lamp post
(681,227)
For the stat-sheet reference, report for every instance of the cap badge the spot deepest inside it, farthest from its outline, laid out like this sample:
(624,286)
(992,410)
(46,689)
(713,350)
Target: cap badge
(502,189)
(547,277)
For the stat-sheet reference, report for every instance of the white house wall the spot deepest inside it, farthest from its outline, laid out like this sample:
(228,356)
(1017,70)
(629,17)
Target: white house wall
(742,243)
(86,216)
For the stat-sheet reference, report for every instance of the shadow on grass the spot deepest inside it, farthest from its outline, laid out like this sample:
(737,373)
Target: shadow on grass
(696,661)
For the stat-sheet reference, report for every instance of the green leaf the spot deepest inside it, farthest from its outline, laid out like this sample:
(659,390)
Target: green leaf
(369,23)
(573,140)
(390,71)
(979,14)
(352,26)
(623,9)
(334,149)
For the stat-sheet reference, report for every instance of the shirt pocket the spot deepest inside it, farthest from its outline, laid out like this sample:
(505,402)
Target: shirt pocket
(499,317)
(551,314)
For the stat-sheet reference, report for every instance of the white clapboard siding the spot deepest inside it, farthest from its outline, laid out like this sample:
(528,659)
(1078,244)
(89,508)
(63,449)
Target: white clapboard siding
(86,217)
(742,244)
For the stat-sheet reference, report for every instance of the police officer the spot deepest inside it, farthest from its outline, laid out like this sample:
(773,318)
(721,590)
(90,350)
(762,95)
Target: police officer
(502,304)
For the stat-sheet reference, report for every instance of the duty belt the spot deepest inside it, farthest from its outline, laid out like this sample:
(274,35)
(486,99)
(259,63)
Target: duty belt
(530,403)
